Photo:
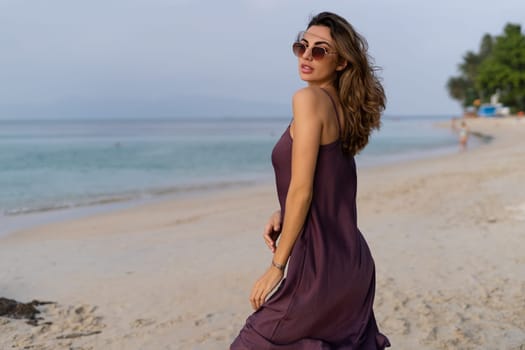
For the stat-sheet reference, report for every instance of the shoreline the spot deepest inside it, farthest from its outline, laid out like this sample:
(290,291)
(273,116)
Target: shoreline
(25,219)
(446,235)
(12,223)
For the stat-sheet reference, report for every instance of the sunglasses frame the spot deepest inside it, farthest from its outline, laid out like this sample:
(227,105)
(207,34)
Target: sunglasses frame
(299,46)
(315,51)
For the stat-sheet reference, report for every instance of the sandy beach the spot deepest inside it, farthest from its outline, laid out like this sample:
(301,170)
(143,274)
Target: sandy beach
(447,235)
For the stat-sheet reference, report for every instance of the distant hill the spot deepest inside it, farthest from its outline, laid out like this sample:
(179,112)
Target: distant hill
(180,106)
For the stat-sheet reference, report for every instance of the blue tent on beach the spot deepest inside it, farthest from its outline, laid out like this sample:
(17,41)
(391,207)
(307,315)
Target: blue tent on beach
(487,111)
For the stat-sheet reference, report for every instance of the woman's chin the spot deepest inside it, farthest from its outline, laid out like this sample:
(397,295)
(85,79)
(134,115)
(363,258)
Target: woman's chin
(305,77)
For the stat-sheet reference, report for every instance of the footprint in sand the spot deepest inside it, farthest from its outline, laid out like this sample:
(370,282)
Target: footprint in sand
(142,322)
(207,319)
(518,211)
(398,325)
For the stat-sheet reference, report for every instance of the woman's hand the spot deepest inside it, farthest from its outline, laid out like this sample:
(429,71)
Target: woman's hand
(264,286)
(272,230)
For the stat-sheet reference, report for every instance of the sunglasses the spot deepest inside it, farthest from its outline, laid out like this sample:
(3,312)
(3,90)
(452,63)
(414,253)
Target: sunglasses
(317,52)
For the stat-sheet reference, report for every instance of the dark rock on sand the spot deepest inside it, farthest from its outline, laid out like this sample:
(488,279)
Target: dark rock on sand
(14,309)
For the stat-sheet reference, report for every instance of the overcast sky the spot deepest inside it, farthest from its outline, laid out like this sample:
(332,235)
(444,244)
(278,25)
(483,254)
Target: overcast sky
(179,55)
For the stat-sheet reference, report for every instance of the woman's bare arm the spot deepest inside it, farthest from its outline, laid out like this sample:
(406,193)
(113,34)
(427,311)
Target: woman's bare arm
(307,130)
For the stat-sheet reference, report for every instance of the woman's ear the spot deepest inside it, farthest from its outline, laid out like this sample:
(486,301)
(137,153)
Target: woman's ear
(341,64)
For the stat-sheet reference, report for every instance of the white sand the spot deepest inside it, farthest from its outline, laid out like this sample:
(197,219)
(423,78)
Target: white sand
(447,234)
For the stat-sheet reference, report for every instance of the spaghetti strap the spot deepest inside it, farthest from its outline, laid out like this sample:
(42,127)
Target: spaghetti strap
(335,108)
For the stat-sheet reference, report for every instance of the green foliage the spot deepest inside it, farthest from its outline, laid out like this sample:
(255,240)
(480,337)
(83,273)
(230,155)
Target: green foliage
(504,70)
(498,67)
(463,87)
(487,43)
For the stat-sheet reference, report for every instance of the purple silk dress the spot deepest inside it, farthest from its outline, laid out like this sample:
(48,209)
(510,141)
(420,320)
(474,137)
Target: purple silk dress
(326,299)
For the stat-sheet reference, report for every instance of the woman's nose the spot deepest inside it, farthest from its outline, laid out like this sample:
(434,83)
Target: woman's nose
(307,55)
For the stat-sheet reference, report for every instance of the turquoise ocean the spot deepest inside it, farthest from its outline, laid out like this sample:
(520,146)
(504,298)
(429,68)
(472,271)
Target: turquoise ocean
(49,165)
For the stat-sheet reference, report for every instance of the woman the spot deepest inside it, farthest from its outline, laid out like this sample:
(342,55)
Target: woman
(325,301)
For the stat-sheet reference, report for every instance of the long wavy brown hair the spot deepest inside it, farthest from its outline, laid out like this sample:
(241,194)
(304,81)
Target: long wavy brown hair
(360,91)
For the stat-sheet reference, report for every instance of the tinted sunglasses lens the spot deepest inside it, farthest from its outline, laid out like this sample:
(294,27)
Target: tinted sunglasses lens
(318,53)
(298,49)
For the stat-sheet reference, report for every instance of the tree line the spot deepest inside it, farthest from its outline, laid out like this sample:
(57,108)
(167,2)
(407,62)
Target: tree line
(497,67)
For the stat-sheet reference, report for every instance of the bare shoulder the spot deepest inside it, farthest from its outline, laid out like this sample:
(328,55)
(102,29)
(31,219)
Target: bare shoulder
(311,101)
(308,95)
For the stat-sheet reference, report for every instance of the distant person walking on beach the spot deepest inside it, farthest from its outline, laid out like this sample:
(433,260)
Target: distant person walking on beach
(326,299)
(463,136)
